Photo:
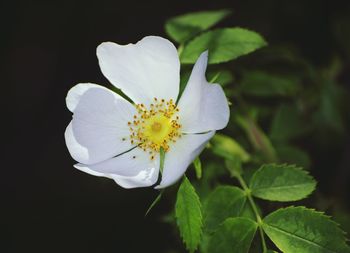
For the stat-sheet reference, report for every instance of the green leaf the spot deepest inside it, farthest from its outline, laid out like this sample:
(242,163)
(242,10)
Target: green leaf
(223,44)
(222,203)
(234,166)
(234,235)
(342,217)
(249,171)
(203,246)
(211,174)
(329,114)
(185,27)
(198,167)
(247,211)
(287,124)
(228,148)
(257,137)
(281,183)
(302,230)
(262,84)
(293,155)
(222,77)
(188,215)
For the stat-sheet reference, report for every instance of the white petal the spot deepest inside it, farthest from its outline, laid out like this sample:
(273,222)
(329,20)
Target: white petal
(75,93)
(98,130)
(129,170)
(203,106)
(181,155)
(76,150)
(150,68)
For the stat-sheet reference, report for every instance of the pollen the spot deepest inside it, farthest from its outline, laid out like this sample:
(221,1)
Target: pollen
(155,127)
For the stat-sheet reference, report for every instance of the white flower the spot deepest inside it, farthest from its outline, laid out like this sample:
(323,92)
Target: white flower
(114,138)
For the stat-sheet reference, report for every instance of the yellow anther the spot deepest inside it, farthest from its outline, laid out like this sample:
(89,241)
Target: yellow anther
(159,126)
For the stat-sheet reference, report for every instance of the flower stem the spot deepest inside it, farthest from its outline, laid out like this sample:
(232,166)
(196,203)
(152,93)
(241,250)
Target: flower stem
(255,209)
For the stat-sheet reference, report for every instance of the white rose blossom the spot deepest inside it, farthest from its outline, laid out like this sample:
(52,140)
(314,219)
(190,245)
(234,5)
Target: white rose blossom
(113,138)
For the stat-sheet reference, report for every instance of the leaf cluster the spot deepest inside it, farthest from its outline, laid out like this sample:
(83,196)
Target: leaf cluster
(271,111)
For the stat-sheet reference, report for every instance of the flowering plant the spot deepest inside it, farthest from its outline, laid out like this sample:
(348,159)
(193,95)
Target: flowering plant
(111,137)
(158,122)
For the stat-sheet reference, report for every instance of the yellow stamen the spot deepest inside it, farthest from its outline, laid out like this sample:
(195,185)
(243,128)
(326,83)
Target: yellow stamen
(159,126)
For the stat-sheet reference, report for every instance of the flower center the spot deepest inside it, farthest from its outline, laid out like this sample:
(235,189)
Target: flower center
(155,127)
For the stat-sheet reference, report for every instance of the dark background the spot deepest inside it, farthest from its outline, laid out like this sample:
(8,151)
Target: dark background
(49,46)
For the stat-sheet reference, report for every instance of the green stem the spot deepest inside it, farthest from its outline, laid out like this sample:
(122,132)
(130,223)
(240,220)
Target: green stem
(255,209)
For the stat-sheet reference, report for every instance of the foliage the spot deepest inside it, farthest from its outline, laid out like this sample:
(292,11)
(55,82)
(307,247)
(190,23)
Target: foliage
(275,104)
(189,215)
(287,123)
(262,84)
(224,202)
(223,44)
(281,183)
(185,27)
(233,235)
(298,229)
(227,147)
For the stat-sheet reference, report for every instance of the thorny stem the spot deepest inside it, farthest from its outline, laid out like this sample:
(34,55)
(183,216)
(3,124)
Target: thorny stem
(255,209)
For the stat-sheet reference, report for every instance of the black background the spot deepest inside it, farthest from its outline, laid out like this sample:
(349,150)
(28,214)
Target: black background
(49,46)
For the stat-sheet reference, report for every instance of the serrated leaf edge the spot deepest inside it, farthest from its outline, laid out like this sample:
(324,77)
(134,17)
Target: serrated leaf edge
(226,28)
(212,193)
(320,213)
(200,216)
(239,218)
(291,166)
(226,13)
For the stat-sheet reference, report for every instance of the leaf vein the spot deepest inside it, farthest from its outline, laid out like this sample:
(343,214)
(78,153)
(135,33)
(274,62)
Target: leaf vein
(300,238)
